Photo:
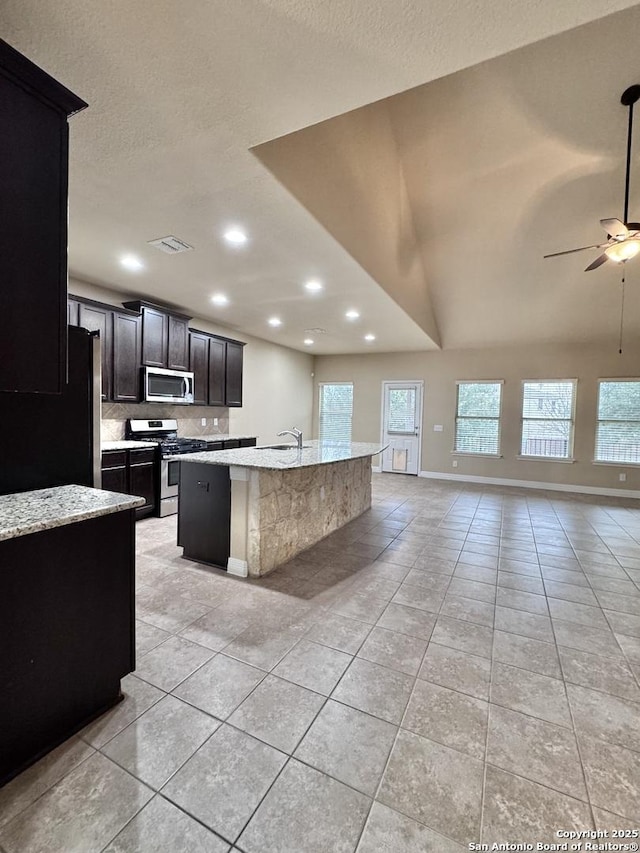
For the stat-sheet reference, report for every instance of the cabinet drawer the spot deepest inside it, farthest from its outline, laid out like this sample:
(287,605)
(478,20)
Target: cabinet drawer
(114,458)
(215,445)
(139,457)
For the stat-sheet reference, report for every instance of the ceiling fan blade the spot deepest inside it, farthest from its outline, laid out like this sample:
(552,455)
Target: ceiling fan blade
(571,251)
(616,228)
(598,262)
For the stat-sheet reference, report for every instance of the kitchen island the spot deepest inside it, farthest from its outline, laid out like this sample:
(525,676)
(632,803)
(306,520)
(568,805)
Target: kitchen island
(252,509)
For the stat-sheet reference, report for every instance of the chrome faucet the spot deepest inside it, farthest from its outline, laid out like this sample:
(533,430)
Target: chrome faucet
(296,433)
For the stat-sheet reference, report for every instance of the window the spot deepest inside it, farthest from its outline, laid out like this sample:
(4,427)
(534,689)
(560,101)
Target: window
(336,408)
(402,415)
(547,419)
(478,418)
(618,430)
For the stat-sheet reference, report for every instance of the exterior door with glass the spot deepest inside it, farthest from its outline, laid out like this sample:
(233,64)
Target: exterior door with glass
(401,426)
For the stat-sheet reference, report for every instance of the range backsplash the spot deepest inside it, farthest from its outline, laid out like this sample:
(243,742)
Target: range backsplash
(114,416)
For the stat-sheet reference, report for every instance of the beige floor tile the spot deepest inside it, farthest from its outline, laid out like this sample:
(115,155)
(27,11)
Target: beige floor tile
(604,716)
(348,745)
(148,637)
(630,646)
(435,785)
(518,600)
(613,776)
(539,751)
(81,813)
(278,713)
(160,826)
(624,623)
(609,675)
(584,639)
(223,783)
(167,611)
(264,646)
(375,689)
(313,666)
(515,808)
(448,717)
(397,651)
(388,831)
(220,685)
(171,662)
(419,597)
(407,620)
(531,693)
(464,571)
(468,610)
(470,674)
(526,624)
(217,628)
(306,811)
(526,653)
(524,583)
(339,632)
(138,698)
(428,580)
(570,592)
(366,608)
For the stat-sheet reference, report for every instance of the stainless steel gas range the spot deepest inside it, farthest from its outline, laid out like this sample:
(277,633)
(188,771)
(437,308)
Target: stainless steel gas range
(165,432)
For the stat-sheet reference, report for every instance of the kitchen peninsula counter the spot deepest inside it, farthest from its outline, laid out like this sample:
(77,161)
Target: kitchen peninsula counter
(252,509)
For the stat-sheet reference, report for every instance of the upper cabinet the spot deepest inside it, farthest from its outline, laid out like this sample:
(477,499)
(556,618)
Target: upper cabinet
(34,145)
(217,367)
(165,336)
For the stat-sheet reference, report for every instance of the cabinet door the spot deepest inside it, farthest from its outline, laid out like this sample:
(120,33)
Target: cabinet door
(154,337)
(142,483)
(73,312)
(127,353)
(233,394)
(217,372)
(199,365)
(178,352)
(115,479)
(100,319)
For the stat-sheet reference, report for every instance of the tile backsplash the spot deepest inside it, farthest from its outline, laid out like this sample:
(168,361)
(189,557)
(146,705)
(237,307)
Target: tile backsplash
(114,416)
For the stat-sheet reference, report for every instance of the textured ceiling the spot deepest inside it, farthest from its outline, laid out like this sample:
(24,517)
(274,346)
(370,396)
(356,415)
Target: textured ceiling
(179,94)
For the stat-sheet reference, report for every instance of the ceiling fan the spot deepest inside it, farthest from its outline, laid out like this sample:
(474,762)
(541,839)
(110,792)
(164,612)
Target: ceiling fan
(624,237)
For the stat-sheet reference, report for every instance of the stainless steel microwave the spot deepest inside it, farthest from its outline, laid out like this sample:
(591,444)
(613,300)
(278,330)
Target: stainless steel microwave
(168,386)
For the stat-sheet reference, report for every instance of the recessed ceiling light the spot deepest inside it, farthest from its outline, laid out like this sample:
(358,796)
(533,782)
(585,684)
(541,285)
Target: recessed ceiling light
(275,321)
(369,337)
(313,285)
(235,236)
(308,342)
(130,262)
(220,299)
(352,314)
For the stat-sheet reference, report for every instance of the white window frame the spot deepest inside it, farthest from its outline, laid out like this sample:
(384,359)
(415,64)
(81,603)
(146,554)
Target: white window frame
(455,452)
(321,385)
(562,459)
(620,463)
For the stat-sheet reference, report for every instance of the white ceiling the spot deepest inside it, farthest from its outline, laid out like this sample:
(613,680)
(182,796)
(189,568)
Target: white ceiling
(180,93)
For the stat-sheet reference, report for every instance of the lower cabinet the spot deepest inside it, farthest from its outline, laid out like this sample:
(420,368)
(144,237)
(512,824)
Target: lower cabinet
(133,472)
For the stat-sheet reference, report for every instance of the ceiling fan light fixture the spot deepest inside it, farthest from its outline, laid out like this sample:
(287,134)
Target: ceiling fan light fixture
(621,252)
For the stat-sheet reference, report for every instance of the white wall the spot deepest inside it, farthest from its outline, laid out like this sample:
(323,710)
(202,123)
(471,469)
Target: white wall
(277,384)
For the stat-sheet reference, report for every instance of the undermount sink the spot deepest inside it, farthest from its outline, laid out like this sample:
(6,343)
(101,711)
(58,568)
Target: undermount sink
(280,447)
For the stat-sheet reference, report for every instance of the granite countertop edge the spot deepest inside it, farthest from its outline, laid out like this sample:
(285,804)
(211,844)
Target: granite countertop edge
(315,453)
(44,509)
(126,445)
(221,436)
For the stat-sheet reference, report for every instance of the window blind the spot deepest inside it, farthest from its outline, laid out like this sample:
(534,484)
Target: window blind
(618,429)
(478,417)
(336,410)
(547,419)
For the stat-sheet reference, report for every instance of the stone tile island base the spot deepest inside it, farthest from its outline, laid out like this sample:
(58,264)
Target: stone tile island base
(276,514)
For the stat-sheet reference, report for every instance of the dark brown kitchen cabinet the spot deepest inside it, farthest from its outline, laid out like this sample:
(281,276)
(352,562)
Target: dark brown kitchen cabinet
(217,372)
(99,318)
(115,479)
(165,336)
(133,472)
(34,152)
(199,366)
(233,393)
(127,352)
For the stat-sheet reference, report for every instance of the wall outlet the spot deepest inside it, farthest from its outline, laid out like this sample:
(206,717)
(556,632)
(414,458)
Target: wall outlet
(622,478)
(203,421)
(215,422)
(454,463)
(437,427)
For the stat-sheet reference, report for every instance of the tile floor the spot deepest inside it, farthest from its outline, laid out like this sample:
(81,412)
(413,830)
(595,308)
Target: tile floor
(457,665)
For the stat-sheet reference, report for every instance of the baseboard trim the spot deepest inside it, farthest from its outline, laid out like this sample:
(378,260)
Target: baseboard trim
(532,484)
(239,568)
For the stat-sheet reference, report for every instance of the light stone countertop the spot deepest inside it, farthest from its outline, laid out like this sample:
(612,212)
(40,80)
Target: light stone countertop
(43,509)
(220,436)
(126,445)
(313,453)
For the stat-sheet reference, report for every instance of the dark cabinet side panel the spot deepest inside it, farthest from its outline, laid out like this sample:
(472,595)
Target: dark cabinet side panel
(217,372)
(100,320)
(154,337)
(199,365)
(234,374)
(178,352)
(142,482)
(127,353)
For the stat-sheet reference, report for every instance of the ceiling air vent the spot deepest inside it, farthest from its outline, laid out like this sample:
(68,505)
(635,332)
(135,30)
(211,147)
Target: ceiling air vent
(315,331)
(171,245)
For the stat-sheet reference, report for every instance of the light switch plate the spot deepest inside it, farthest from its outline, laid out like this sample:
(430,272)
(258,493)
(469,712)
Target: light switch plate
(622,478)
(203,421)
(437,427)
(215,422)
